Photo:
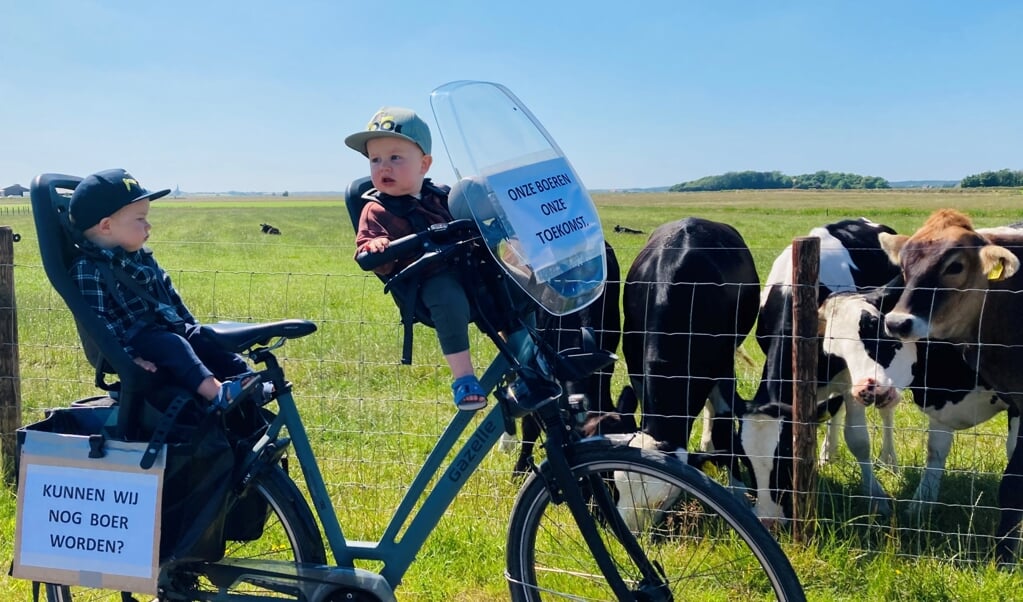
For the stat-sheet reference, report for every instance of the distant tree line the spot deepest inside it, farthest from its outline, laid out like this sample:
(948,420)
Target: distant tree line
(761,180)
(1002,177)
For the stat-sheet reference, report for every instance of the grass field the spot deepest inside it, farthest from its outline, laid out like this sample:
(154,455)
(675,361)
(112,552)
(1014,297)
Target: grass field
(374,420)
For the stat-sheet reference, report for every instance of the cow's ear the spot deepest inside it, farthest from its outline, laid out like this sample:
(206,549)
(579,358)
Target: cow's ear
(822,322)
(892,245)
(998,263)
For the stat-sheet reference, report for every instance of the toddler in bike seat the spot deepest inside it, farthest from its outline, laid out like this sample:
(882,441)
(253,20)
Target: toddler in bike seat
(403,201)
(120,279)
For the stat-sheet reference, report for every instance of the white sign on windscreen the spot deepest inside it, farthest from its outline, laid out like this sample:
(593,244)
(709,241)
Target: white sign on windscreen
(549,211)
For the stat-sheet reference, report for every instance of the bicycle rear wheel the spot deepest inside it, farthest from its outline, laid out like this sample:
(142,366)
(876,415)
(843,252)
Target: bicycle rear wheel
(704,543)
(290,534)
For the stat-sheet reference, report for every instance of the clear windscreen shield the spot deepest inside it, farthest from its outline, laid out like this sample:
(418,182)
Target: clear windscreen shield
(535,216)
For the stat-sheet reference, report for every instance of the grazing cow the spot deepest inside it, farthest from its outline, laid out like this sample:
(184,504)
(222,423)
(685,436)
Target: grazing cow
(268,229)
(855,364)
(690,299)
(963,286)
(593,394)
(627,230)
(851,259)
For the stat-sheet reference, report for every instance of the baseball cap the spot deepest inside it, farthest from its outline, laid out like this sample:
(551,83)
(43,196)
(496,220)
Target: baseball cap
(393,122)
(103,193)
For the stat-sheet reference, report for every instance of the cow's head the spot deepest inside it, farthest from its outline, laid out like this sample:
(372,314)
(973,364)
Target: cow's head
(766,435)
(947,267)
(852,332)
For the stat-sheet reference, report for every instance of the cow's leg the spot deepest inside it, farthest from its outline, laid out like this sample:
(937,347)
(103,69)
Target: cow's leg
(1010,441)
(707,437)
(719,416)
(1010,500)
(857,438)
(720,433)
(670,403)
(831,438)
(888,436)
(939,442)
(709,416)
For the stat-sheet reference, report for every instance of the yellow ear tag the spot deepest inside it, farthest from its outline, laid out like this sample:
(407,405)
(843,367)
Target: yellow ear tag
(996,272)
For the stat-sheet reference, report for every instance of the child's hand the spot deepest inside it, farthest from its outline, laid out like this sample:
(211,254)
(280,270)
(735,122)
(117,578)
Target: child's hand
(146,365)
(377,244)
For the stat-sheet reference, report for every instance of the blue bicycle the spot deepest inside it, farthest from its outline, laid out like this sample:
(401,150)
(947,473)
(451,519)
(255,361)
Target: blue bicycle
(595,519)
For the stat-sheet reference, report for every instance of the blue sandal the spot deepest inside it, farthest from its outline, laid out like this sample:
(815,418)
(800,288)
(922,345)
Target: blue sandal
(233,391)
(469,395)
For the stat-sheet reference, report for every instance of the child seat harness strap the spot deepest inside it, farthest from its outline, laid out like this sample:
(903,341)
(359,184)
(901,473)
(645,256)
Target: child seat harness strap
(160,309)
(406,208)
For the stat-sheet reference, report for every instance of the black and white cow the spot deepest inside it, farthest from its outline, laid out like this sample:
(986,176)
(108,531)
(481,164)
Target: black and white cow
(943,386)
(851,259)
(591,395)
(857,362)
(949,392)
(690,299)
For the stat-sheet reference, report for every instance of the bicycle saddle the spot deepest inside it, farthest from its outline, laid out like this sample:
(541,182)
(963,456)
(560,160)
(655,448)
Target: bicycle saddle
(239,336)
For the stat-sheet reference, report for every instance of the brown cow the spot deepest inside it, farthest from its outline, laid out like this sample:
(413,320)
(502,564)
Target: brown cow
(961,286)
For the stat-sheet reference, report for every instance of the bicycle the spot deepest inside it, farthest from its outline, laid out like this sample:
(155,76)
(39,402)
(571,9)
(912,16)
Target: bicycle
(595,520)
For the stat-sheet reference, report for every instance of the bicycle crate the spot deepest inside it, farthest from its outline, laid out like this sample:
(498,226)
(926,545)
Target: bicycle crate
(87,513)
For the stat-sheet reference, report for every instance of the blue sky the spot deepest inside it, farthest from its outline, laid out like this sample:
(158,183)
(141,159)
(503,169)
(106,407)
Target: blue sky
(259,95)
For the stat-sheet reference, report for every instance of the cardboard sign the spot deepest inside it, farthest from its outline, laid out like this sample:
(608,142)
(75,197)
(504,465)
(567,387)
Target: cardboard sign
(86,521)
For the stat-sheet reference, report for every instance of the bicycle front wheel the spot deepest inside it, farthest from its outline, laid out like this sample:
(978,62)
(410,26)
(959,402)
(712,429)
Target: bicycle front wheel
(699,539)
(290,533)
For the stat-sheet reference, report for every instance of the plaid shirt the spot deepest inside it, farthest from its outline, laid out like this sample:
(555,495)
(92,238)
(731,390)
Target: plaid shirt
(122,308)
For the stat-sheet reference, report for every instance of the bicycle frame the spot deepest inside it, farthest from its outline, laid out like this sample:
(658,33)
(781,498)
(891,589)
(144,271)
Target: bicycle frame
(414,526)
(408,528)
(397,553)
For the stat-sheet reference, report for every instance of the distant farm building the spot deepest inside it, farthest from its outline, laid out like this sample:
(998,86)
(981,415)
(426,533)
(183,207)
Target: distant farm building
(15,190)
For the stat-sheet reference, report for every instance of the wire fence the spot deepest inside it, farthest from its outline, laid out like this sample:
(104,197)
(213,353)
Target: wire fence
(373,419)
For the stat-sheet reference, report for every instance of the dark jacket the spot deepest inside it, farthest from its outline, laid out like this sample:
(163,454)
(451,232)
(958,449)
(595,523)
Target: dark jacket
(395,217)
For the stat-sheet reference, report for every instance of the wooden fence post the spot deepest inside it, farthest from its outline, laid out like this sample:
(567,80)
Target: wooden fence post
(10,377)
(805,273)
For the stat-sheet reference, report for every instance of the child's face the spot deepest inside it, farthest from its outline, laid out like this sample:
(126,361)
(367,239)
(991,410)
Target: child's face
(397,166)
(128,228)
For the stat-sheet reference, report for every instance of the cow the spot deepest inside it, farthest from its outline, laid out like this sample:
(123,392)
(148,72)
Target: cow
(963,286)
(627,230)
(268,229)
(689,301)
(943,386)
(948,391)
(590,396)
(851,259)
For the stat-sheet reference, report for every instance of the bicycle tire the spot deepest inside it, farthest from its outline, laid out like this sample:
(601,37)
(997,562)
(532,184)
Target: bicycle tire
(706,543)
(290,534)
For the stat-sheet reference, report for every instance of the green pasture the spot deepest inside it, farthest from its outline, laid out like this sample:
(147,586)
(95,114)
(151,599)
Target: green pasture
(373,420)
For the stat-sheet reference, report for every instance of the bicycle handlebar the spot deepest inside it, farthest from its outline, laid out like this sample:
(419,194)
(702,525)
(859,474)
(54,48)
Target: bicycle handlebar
(456,231)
